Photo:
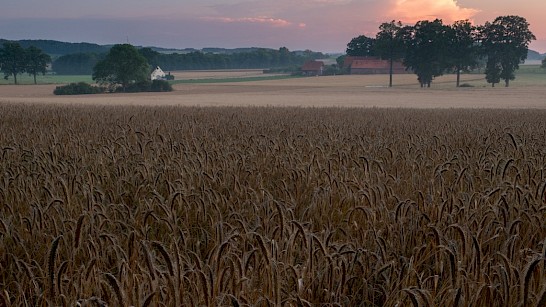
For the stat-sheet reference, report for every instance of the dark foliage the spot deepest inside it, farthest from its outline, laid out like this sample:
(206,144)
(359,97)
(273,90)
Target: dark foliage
(361,46)
(80,88)
(77,63)
(259,58)
(505,42)
(56,48)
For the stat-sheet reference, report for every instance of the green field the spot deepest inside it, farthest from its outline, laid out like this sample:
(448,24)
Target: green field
(64,79)
(239,79)
(526,75)
(48,79)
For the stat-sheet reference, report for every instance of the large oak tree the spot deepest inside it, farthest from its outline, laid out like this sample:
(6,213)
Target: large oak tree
(505,42)
(13,60)
(122,66)
(36,62)
(464,48)
(389,44)
(427,49)
(361,46)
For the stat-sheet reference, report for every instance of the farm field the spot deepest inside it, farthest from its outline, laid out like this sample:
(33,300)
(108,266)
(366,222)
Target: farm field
(25,79)
(146,205)
(527,91)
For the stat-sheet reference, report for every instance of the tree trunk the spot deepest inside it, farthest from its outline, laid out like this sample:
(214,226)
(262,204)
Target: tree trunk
(458,75)
(507,83)
(390,72)
(15,78)
(35,79)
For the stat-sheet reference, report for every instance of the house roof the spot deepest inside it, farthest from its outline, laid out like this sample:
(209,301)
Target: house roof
(157,74)
(312,65)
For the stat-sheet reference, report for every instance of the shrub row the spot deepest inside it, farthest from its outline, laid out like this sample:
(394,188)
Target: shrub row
(82,88)
(79,88)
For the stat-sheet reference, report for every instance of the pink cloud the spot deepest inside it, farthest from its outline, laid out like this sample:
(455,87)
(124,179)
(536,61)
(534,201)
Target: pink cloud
(414,10)
(275,22)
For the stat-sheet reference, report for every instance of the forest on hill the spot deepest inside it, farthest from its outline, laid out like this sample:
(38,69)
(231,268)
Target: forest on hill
(80,58)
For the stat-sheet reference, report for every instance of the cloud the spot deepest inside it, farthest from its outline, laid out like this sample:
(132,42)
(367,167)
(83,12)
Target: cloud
(275,22)
(414,10)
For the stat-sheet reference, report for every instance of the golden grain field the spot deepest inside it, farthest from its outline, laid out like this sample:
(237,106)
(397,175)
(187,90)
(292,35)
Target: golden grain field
(172,206)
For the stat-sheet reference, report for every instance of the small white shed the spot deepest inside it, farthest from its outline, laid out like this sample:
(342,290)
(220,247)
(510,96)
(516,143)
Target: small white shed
(158,74)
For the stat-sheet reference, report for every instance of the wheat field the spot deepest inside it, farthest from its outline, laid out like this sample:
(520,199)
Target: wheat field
(256,206)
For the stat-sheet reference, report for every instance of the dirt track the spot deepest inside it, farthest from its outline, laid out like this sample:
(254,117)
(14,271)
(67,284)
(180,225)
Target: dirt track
(338,91)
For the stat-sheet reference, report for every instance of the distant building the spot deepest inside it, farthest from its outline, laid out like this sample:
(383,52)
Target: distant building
(372,65)
(158,74)
(313,68)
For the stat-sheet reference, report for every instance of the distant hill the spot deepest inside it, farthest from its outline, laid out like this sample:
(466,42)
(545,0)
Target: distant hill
(57,48)
(535,56)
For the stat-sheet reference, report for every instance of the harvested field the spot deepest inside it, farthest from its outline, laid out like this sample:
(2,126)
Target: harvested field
(335,91)
(170,206)
(216,74)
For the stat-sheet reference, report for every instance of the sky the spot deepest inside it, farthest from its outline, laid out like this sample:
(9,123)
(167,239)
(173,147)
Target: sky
(319,25)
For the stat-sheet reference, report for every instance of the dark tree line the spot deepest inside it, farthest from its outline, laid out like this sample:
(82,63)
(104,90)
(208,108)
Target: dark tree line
(83,63)
(15,60)
(77,63)
(260,58)
(57,48)
(432,48)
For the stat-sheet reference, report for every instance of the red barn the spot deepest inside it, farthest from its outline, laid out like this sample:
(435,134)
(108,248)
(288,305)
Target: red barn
(313,68)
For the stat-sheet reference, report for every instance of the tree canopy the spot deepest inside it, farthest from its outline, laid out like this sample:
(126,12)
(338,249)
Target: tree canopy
(431,48)
(464,48)
(123,65)
(36,62)
(77,63)
(361,46)
(13,60)
(427,45)
(505,42)
(389,44)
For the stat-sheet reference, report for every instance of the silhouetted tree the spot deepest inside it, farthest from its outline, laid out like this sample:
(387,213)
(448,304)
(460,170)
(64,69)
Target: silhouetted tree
(123,65)
(464,48)
(361,46)
(389,44)
(13,59)
(36,61)
(505,42)
(427,49)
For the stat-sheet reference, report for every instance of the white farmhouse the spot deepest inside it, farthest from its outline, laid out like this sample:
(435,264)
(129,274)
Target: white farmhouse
(158,74)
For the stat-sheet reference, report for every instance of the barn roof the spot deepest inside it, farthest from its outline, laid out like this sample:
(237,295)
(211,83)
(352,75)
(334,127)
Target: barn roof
(312,65)
(372,63)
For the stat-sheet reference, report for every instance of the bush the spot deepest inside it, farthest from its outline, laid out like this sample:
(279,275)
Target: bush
(466,85)
(142,86)
(161,86)
(79,88)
